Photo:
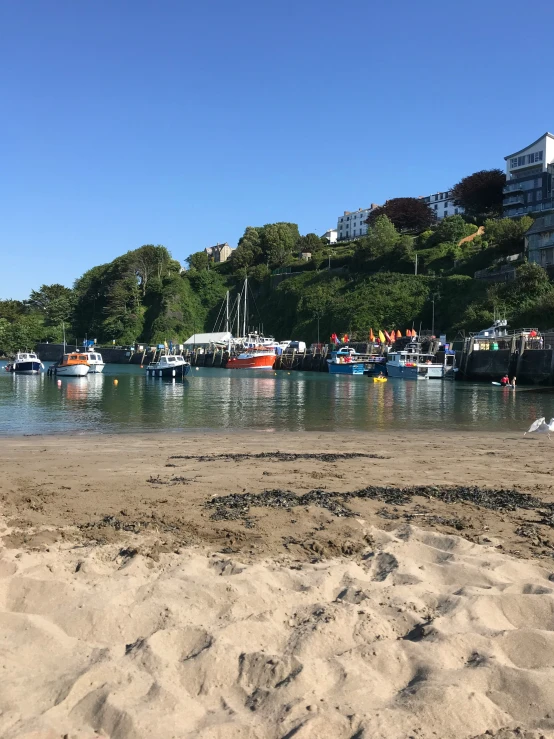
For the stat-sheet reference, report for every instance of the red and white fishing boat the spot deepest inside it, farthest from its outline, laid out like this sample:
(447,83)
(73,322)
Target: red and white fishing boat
(254,358)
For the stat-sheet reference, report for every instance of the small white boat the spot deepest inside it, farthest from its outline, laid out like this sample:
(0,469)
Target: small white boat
(412,364)
(169,365)
(25,363)
(95,362)
(74,364)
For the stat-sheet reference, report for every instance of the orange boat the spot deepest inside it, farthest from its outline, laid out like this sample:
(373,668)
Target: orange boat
(261,358)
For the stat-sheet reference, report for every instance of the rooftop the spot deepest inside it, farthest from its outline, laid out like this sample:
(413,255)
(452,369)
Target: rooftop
(530,145)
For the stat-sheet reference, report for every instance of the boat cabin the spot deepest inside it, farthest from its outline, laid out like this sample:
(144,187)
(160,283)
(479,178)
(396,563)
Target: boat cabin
(26,357)
(169,360)
(344,354)
(499,330)
(74,358)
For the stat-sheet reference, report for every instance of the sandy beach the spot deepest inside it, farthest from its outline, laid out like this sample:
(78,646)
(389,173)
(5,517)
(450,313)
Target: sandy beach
(270,585)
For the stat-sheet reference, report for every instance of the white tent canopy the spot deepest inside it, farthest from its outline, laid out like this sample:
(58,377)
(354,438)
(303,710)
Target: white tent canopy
(220,337)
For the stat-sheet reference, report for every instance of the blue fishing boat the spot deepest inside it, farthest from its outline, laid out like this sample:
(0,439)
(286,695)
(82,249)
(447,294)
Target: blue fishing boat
(345,361)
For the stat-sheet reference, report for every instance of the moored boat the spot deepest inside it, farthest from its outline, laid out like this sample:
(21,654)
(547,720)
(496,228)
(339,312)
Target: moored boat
(25,363)
(255,358)
(74,364)
(169,365)
(345,361)
(95,361)
(411,363)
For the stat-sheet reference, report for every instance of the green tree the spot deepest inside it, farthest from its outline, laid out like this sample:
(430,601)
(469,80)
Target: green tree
(278,241)
(381,239)
(54,302)
(149,261)
(249,250)
(11,310)
(407,214)
(311,243)
(450,229)
(508,234)
(480,194)
(198,261)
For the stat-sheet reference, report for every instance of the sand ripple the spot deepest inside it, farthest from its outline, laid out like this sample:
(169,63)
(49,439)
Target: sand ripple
(421,635)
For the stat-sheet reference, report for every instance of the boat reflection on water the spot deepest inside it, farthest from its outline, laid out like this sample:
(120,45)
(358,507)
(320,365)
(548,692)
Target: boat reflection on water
(122,399)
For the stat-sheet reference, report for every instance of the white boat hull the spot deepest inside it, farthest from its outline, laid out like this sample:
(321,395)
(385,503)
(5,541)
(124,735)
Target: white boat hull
(95,369)
(73,370)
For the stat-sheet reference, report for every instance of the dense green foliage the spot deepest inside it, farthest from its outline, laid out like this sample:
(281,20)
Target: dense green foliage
(146,296)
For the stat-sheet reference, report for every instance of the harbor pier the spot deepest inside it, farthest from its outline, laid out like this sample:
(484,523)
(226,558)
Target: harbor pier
(526,354)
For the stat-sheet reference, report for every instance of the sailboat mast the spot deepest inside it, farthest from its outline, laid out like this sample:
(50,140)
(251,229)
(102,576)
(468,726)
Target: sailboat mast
(238,316)
(227,313)
(244,316)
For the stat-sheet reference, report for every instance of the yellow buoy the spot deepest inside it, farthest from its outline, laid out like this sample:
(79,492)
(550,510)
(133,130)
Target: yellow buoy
(115,382)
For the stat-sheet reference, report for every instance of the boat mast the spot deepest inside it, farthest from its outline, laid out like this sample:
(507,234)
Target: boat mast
(244,316)
(227,312)
(238,315)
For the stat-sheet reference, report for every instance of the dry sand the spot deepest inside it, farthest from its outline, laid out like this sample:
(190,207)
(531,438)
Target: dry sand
(127,611)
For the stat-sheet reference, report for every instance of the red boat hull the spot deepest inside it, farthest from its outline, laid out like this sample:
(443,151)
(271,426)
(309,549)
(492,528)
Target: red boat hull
(264,361)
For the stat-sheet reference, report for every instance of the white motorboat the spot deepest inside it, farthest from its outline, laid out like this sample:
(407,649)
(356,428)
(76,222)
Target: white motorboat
(169,365)
(95,361)
(25,363)
(412,364)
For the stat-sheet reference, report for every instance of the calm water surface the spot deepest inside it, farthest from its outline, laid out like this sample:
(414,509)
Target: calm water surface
(249,399)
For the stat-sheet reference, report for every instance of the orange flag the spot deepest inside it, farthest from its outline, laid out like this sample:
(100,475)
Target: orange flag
(398,334)
(387,336)
(371,335)
(408,332)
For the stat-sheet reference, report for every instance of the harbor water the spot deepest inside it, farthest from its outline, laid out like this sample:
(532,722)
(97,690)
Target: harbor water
(124,400)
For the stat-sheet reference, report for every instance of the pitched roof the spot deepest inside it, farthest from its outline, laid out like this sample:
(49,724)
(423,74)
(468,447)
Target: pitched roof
(530,145)
(544,223)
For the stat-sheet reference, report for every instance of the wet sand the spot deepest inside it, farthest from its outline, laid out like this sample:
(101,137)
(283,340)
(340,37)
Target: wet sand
(146,592)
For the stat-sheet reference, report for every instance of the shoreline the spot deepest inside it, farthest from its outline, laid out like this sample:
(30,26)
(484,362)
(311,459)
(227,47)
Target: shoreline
(69,485)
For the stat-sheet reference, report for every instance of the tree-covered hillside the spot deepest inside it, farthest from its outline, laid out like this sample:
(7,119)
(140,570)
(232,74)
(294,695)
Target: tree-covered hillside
(146,296)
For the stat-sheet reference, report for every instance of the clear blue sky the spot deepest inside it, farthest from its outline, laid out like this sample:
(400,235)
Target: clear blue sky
(126,122)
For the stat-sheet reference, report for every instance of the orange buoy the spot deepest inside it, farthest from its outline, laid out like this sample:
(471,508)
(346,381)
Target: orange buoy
(115,382)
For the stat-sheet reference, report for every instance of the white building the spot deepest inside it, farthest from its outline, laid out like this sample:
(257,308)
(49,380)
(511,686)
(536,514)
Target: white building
(442,204)
(352,224)
(529,173)
(330,235)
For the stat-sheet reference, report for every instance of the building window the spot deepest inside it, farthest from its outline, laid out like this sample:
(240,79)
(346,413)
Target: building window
(521,161)
(536,157)
(513,162)
(436,207)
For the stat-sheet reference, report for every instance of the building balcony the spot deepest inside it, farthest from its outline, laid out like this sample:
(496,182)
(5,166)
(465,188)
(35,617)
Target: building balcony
(514,200)
(511,188)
